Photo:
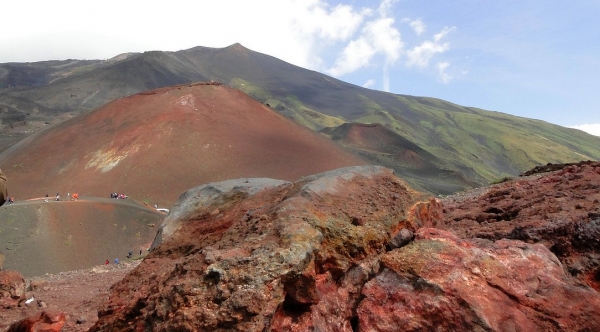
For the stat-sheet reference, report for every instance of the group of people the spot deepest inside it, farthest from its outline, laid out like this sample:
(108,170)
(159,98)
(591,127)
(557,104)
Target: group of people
(129,255)
(118,196)
(73,197)
(4,198)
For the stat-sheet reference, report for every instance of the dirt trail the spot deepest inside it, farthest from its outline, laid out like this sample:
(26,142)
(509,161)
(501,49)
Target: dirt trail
(76,293)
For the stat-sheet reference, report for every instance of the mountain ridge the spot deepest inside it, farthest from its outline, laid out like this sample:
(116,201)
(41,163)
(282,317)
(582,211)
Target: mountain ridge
(482,146)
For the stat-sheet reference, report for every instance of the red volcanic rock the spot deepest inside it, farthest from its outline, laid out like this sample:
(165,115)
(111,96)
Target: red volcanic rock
(560,210)
(41,322)
(318,255)
(427,214)
(443,283)
(12,288)
(259,254)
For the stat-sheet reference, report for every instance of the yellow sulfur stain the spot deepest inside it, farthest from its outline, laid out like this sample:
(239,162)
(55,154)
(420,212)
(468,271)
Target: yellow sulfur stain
(107,159)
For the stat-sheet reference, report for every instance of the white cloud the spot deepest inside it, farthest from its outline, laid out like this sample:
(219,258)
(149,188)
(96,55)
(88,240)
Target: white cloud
(333,24)
(378,36)
(385,38)
(386,78)
(296,31)
(420,55)
(385,7)
(443,75)
(336,39)
(417,25)
(354,56)
(593,129)
(369,83)
(445,31)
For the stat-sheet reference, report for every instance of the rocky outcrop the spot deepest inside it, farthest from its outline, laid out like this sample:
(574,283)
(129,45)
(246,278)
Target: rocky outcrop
(275,255)
(46,321)
(12,288)
(346,250)
(443,283)
(554,167)
(559,209)
(210,197)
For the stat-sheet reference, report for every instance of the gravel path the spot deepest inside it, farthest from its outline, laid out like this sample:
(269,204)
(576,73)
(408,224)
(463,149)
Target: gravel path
(76,293)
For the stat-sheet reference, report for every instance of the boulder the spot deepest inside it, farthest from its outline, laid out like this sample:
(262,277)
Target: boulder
(276,256)
(402,238)
(440,282)
(559,209)
(12,285)
(45,321)
(215,195)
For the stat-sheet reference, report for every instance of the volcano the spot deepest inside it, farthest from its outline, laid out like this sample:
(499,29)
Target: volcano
(154,145)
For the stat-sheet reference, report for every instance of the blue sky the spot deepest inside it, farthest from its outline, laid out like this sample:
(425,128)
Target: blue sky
(532,58)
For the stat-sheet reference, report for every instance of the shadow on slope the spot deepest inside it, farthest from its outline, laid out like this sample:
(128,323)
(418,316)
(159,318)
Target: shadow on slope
(383,146)
(49,237)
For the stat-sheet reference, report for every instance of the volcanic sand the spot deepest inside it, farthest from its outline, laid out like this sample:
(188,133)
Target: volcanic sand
(39,237)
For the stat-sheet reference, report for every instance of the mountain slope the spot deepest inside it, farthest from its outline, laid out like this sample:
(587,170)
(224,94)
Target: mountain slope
(155,145)
(476,144)
(382,146)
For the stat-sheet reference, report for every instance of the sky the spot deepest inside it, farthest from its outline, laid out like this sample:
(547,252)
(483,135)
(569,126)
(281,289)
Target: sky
(537,59)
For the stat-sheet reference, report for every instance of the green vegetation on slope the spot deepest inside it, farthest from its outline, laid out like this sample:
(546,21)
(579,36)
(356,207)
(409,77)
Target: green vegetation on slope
(480,145)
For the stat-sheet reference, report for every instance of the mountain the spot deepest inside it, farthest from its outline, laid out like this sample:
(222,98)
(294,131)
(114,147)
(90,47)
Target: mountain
(155,145)
(466,142)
